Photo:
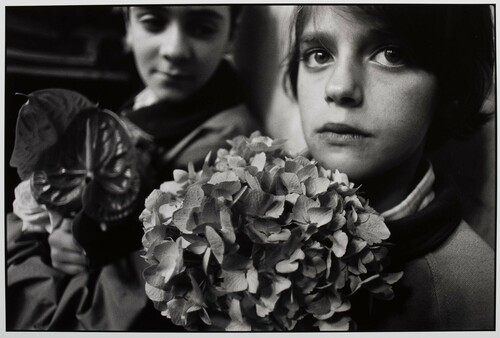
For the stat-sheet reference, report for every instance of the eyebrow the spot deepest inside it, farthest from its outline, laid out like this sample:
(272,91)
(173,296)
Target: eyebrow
(192,12)
(205,13)
(314,37)
(374,34)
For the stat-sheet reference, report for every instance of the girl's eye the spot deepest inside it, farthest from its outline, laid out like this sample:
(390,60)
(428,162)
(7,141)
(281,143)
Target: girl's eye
(391,57)
(152,23)
(316,58)
(202,30)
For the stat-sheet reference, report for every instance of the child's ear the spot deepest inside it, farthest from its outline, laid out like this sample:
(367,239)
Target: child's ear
(233,33)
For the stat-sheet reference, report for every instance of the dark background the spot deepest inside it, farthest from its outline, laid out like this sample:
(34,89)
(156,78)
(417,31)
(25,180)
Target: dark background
(73,47)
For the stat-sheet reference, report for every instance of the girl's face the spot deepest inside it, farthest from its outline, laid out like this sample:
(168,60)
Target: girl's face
(365,110)
(178,49)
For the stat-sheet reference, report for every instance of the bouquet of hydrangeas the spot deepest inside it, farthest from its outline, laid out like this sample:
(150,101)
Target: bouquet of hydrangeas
(261,240)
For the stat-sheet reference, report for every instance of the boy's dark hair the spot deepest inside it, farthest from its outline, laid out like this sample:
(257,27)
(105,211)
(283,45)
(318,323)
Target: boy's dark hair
(454,42)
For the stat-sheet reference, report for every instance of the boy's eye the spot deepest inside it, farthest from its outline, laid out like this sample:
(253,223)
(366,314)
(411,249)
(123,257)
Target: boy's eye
(391,57)
(316,58)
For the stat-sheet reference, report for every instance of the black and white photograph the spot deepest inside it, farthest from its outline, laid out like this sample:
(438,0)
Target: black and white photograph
(226,167)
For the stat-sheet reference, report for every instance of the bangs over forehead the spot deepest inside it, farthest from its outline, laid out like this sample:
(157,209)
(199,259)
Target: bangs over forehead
(454,42)
(419,26)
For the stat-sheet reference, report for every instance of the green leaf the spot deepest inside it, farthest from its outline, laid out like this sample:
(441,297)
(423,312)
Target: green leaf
(216,243)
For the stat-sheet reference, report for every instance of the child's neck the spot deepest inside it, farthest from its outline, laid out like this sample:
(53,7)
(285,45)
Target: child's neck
(391,188)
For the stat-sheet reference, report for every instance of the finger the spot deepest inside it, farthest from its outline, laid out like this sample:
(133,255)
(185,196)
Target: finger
(55,218)
(70,269)
(64,241)
(67,224)
(62,248)
(66,257)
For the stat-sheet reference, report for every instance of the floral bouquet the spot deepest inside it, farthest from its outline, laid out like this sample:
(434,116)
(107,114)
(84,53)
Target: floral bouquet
(73,158)
(261,240)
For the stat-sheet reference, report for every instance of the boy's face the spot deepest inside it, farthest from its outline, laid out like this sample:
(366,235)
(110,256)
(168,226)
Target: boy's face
(365,110)
(178,48)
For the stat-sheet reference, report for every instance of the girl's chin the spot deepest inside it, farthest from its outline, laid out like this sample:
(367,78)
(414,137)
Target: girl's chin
(356,171)
(173,95)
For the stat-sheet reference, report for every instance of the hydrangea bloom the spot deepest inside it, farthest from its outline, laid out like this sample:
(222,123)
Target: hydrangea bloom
(261,240)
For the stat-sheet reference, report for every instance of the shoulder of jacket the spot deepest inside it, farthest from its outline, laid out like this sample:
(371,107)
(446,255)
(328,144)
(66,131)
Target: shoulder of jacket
(238,118)
(461,273)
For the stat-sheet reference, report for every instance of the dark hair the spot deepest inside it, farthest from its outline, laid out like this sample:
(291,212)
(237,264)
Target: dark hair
(454,42)
(234,12)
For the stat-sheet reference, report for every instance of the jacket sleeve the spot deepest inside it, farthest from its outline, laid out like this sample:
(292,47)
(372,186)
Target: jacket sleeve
(108,297)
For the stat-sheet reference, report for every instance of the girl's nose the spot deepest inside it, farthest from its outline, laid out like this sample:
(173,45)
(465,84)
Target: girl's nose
(174,43)
(344,84)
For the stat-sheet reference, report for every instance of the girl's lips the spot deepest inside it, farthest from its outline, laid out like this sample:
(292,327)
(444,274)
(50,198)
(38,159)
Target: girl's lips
(339,133)
(173,76)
